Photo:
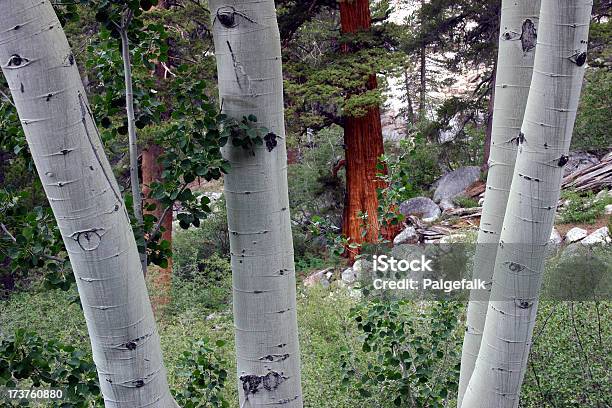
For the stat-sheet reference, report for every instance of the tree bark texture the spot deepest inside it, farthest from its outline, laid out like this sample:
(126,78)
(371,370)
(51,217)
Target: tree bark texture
(84,196)
(247,49)
(363,147)
(547,129)
(152,172)
(517,42)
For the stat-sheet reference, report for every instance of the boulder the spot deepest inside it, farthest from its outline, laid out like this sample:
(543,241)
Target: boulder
(321,277)
(454,183)
(447,204)
(349,276)
(603,194)
(362,267)
(599,236)
(608,209)
(576,234)
(407,236)
(421,207)
(578,161)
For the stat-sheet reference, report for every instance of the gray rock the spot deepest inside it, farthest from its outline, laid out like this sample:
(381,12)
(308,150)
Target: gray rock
(421,207)
(362,267)
(321,277)
(599,236)
(603,194)
(447,204)
(608,209)
(407,236)
(578,161)
(576,234)
(454,183)
(349,276)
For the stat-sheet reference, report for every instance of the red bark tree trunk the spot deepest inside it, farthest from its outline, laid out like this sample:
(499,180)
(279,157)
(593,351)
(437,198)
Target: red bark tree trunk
(363,147)
(152,172)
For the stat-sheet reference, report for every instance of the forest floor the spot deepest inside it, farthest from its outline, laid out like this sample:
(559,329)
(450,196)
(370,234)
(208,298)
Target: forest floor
(567,364)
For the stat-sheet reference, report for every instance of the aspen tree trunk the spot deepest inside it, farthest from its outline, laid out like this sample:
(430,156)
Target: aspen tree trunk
(547,128)
(247,49)
(517,42)
(363,146)
(78,181)
(489,129)
(131,120)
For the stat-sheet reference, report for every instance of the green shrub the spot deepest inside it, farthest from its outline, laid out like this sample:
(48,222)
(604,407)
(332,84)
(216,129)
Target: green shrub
(315,191)
(27,361)
(570,356)
(207,287)
(203,376)
(191,246)
(413,358)
(583,208)
(593,123)
(465,202)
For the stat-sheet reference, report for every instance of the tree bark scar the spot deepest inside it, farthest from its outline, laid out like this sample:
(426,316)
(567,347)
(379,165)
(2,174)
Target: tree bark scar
(579,58)
(90,239)
(227,16)
(270,140)
(529,36)
(514,267)
(523,304)
(274,357)
(17,61)
(251,384)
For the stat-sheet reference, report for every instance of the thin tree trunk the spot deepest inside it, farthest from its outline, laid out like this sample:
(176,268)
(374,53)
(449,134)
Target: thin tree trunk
(411,120)
(423,78)
(133,143)
(84,196)
(547,128)
(247,49)
(363,147)
(423,88)
(489,129)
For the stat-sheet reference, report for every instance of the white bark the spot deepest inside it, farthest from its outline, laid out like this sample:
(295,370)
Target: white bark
(518,27)
(547,128)
(247,49)
(133,144)
(47,90)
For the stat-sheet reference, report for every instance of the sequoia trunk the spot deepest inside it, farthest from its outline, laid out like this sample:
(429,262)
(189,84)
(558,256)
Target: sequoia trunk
(78,181)
(247,49)
(517,42)
(543,147)
(363,147)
